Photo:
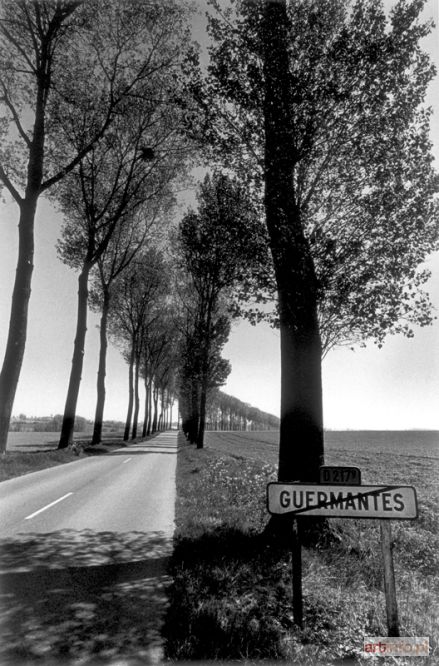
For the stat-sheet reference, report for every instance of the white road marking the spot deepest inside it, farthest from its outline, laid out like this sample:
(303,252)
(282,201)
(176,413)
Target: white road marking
(60,499)
(127,460)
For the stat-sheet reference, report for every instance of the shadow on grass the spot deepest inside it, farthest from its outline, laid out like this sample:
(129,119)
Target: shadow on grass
(82,595)
(229,599)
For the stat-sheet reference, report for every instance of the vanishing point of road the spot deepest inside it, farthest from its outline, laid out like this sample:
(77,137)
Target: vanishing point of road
(84,550)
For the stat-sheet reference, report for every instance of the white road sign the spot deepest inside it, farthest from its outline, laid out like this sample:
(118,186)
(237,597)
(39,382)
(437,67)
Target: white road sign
(299,499)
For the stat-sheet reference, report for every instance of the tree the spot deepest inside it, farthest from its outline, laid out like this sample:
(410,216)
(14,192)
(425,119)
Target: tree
(201,367)
(322,103)
(110,185)
(219,246)
(138,298)
(32,37)
(297,288)
(63,59)
(159,361)
(125,243)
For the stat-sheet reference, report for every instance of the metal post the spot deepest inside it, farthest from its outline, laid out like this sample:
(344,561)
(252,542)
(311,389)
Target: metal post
(296,561)
(389,578)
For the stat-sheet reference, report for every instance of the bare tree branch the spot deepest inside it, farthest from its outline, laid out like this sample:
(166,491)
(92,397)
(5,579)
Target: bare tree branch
(8,184)
(6,99)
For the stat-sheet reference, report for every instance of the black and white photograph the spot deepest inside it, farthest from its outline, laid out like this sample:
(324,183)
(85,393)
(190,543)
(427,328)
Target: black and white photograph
(219,332)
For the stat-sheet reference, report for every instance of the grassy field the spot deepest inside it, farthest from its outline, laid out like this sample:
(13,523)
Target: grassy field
(231,597)
(18,441)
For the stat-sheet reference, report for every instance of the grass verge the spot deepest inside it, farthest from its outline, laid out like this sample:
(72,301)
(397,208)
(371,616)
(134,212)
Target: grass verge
(231,593)
(17,463)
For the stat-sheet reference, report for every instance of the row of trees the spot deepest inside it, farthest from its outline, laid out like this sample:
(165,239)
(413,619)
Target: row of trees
(141,322)
(219,248)
(225,412)
(171,312)
(91,119)
(88,118)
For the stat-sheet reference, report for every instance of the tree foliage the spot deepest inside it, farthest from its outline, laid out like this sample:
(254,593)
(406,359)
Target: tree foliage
(363,177)
(219,246)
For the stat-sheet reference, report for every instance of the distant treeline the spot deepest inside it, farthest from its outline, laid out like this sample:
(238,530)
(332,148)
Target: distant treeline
(23,423)
(225,412)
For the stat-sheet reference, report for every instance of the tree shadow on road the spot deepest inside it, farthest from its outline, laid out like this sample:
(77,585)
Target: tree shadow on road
(95,597)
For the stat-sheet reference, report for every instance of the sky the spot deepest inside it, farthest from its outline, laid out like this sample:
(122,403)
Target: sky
(395,388)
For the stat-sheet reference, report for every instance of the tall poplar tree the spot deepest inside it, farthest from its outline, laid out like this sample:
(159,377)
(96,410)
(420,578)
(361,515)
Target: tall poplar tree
(320,103)
(33,39)
(301,410)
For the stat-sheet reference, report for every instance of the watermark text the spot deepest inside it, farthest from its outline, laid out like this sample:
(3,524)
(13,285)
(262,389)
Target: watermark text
(403,646)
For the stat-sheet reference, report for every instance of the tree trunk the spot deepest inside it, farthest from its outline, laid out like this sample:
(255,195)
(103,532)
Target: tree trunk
(16,341)
(301,430)
(194,419)
(136,400)
(205,375)
(202,419)
(148,431)
(156,400)
(146,416)
(17,333)
(68,423)
(126,433)
(160,413)
(163,411)
(100,402)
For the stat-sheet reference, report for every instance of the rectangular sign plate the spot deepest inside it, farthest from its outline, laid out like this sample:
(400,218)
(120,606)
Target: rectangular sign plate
(332,501)
(340,475)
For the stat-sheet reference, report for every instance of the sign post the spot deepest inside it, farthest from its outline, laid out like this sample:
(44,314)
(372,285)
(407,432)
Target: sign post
(389,579)
(344,501)
(296,564)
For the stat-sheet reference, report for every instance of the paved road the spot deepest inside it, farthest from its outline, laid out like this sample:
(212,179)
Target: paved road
(129,489)
(84,550)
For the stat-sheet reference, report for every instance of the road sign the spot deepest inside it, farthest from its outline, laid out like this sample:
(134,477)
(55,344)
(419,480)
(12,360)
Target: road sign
(340,475)
(332,501)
